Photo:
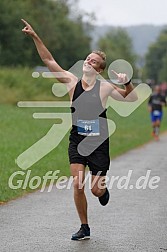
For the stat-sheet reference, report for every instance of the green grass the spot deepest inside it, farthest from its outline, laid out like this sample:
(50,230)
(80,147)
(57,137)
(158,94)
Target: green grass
(19,130)
(131,131)
(18,84)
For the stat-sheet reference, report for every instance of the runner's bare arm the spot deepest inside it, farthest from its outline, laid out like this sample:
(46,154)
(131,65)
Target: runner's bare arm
(62,75)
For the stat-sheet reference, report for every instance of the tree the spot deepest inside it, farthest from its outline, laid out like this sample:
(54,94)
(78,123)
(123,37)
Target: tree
(65,37)
(156,59)
(162,77)
(117,45)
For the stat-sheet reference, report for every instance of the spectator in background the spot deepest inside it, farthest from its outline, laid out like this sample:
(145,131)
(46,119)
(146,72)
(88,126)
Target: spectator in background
(155,105)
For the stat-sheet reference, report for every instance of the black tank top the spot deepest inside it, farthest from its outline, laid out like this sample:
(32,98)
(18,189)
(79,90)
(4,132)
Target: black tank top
(87,105)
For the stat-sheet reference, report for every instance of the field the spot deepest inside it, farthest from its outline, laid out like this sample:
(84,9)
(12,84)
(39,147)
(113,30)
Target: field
(19,131)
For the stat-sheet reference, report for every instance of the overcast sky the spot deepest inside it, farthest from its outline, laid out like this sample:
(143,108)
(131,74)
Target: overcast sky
(127,12)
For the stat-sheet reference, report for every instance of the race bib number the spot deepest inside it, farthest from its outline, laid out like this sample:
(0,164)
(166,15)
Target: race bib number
(88,127)
(156,112)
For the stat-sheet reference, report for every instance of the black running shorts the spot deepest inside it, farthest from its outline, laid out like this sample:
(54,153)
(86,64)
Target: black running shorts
(98,161)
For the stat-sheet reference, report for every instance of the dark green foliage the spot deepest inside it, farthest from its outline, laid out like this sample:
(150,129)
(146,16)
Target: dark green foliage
(156,59)
(64,36)
(118,45)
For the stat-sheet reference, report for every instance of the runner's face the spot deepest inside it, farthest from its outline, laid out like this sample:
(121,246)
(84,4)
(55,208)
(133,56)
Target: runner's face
(91,63)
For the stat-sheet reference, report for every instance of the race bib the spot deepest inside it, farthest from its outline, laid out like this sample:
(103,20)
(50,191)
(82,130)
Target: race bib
(156,112)
(88,127)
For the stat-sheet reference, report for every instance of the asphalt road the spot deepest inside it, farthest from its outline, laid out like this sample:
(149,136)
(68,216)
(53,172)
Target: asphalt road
(134,220)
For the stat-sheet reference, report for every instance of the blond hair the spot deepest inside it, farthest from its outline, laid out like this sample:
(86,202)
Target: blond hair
(103,56)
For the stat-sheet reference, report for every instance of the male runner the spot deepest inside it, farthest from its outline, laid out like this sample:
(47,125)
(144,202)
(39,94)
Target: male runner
(155,104)
(89,142)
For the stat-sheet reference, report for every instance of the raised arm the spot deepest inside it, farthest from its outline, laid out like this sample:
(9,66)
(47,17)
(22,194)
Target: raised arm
(62,75)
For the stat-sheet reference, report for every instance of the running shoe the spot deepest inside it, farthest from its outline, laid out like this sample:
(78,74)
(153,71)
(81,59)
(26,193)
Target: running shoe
(104,198)
(82,234)
(156,138)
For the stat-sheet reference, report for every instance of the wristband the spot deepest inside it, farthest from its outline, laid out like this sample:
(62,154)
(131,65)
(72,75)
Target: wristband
(126,84)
